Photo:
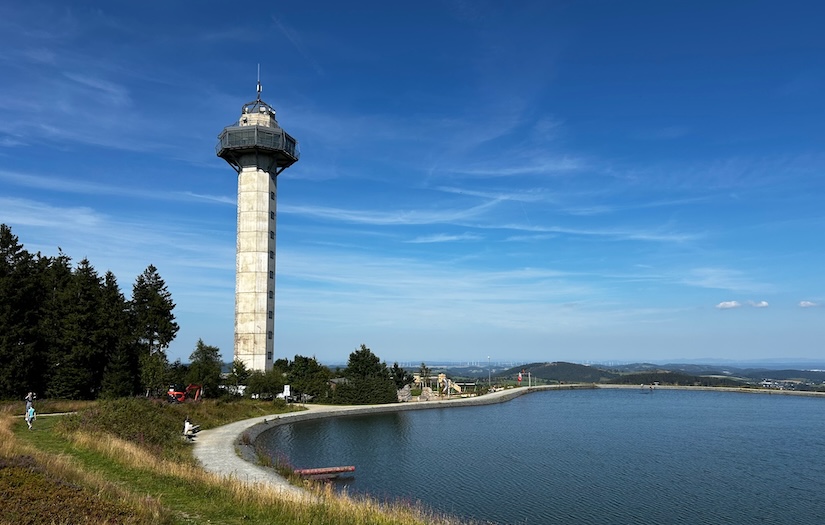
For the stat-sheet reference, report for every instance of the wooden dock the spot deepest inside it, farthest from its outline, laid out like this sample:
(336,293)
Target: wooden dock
(323,472)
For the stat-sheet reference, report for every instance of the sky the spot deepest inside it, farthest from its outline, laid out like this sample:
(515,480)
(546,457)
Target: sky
(584,181)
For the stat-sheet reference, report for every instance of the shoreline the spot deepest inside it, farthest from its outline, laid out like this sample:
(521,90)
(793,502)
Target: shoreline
(228,451)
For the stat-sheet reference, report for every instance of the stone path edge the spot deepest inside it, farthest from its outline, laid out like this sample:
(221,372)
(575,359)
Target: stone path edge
(228,451)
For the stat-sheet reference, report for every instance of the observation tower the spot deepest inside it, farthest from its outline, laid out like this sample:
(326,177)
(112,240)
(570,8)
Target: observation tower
(259,150)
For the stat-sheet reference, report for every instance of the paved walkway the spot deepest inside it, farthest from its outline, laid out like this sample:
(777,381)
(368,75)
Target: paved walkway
(219,450)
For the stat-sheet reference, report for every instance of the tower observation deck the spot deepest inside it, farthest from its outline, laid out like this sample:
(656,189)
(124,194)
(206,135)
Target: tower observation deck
(258,149)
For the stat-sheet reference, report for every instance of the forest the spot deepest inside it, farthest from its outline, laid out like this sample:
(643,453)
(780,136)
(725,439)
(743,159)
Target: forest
(67,332)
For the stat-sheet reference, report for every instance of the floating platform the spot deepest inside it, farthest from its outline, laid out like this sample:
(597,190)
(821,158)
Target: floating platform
(323,472)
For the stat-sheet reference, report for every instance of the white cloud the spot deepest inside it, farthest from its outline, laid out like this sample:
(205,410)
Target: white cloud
(807,304)
(443,237)
(726,305)
(561,164)
(385,218)
(759,304)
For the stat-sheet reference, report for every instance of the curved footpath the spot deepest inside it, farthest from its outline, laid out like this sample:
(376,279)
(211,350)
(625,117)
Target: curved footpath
(221,451)
(228,450)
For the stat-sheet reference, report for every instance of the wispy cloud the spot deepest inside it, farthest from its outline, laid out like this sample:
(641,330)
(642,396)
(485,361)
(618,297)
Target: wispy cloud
(296,42)
(628,234)
(727,305)
(723,279)
(536,195)
(444,237)
(16,211)
(758,304)
(387,218)
(808,304)
(549,166)
(112,94)
(81,187)
(474,216)
(530,238)
(221,199)
(412,294)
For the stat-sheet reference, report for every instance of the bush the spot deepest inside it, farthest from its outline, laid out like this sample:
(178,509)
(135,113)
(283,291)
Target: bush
(365,391)
(154,425)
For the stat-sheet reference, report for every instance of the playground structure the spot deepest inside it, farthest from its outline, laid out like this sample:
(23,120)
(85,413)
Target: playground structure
(445,385)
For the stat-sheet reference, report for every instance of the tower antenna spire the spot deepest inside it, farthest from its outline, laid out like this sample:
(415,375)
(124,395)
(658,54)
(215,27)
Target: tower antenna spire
(258,149)
(259,82)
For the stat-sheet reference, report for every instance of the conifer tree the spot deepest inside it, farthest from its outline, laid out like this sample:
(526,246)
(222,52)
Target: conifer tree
(152,311)
(155,327)
(22,366)
(56,274)
(205,367)
(121,373)
(369,380)
(80,356)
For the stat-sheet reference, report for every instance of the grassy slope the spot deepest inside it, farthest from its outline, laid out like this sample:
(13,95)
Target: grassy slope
(115,481)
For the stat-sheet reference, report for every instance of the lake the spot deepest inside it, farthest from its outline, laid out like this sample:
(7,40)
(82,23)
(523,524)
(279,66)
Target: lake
(603,456)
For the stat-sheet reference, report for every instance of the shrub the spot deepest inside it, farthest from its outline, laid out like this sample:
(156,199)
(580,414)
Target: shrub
(150,424)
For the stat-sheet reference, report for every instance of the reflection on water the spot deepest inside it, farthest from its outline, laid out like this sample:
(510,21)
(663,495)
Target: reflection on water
(587,457)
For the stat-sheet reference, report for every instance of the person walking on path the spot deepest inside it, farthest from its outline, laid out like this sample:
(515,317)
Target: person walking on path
(30,416)
(30,397)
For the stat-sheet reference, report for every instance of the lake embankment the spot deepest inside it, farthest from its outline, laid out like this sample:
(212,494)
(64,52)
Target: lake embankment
(229,450)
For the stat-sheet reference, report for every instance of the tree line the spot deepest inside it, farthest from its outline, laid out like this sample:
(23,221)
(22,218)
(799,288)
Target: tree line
(365,380)
(68,332)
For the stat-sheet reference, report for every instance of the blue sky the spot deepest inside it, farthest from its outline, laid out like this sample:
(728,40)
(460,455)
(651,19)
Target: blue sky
(528,181)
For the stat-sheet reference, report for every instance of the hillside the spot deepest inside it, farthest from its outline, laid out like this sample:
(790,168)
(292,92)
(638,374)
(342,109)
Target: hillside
(562,372)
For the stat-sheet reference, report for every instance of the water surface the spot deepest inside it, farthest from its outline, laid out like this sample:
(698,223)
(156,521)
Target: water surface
(586,457)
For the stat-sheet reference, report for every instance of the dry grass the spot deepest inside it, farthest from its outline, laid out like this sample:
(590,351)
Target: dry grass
(39,487)
(319,499)
(44,406)
(85,476)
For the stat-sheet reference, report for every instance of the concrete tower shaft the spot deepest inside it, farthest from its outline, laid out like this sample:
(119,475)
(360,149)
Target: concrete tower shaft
(259,150)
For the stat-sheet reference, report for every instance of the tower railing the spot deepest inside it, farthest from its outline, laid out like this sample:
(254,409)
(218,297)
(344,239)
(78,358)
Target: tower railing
(257,137)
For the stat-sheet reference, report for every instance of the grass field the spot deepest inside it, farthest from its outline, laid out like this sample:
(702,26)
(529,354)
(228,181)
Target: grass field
(124,461)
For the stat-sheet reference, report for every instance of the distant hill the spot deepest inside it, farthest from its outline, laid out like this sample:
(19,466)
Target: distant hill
(663,377)
(669,374)
(749,374)
(562,372)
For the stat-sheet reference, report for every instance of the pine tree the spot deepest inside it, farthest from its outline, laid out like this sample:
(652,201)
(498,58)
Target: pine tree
(155,326)
(78,367)
(22,366)
(152,311)
(369,380)
(205,367)
(122,372)
(56,274)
